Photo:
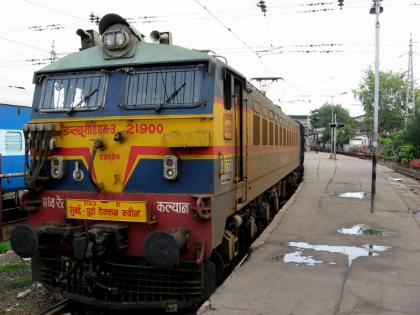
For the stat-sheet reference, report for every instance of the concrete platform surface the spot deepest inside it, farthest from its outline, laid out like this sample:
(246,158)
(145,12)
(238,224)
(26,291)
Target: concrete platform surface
(306,266)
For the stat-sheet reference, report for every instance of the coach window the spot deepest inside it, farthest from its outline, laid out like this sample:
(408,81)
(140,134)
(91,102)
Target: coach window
(271,130)
(13,141)
(276,133)
(264,131)
(280,134)
(256,129)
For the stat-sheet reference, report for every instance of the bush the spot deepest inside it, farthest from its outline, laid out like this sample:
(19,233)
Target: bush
(391,144)
(407,152)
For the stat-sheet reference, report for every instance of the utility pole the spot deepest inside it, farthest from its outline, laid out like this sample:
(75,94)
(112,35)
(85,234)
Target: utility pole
(410,99)
(376,9)
(335,136)
(332,129)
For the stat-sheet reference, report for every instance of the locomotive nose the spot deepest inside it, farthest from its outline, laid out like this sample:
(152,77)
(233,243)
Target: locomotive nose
(162,249)
(24,241)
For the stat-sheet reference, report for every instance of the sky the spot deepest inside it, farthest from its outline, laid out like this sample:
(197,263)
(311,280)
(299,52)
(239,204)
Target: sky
(341,43)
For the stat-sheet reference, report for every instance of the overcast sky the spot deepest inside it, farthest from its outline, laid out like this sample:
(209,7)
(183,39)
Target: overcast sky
(256,46)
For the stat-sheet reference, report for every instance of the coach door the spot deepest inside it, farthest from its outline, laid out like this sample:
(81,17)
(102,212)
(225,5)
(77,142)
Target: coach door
(240,140)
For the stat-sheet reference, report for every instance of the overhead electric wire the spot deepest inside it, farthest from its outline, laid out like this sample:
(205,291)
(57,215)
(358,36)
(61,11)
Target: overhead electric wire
(23,44)
(55,10)
(225,26)
(233,33)
(192,16)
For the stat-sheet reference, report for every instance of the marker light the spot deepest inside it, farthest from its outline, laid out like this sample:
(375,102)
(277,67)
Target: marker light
(57,167)
(170,167)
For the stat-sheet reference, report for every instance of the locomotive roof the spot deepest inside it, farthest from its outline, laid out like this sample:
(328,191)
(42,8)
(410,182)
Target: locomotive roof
(146,53)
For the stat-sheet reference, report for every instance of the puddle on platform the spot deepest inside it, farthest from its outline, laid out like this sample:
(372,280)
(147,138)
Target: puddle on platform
(297,258)
(352,252)
(414,191)
(414,212)
(356,195)
(395,179)
(363,229)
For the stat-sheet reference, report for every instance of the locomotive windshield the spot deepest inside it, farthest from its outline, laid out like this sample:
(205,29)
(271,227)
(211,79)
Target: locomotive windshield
(158,88)
(73,92)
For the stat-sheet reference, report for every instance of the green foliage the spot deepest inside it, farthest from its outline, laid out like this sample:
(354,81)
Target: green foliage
(5,246)
(24,282)
(413,130)
(321,118)
(392,93)
(314,118)
(347,132)
(391,144)
(408,152)
(13,267)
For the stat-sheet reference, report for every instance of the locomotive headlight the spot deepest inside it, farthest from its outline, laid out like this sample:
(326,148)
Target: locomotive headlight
(115,39)
(120,39)
(109,39)
(170,167)
(57,167)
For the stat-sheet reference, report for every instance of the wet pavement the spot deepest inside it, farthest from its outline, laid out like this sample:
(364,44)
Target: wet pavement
(327,254)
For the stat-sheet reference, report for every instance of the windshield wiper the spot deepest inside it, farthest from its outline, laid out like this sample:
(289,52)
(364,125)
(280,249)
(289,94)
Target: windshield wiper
(175,93)
(86,98)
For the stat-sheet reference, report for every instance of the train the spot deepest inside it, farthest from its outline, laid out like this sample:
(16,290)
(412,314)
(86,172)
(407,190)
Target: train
(15,108)
(150,169)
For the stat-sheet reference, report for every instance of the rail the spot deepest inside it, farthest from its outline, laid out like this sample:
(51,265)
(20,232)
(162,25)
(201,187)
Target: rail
(59,308)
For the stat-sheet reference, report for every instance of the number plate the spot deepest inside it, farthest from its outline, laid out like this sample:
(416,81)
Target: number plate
(106,210)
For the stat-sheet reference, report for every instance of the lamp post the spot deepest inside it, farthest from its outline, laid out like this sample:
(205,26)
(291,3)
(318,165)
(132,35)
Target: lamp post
(376,9)
(333,129)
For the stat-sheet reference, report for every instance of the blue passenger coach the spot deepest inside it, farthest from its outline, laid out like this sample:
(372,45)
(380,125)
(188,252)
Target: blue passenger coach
(15,108)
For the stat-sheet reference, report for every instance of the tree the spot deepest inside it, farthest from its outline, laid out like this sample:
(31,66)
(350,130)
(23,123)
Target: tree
(392,93)
(412,133)
(321,118)
(347,132)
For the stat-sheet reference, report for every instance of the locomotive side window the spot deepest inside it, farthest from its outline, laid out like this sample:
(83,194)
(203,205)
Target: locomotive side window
(170,87)
(73,92)
(13,141)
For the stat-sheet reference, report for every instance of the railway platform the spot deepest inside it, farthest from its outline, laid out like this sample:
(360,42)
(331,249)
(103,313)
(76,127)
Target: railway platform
(325,253)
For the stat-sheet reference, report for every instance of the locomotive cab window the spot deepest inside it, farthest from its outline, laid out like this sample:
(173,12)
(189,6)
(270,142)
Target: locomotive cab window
(169,87)
(72,92)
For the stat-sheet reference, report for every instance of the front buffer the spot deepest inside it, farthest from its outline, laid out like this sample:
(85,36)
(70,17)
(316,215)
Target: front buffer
(111,264)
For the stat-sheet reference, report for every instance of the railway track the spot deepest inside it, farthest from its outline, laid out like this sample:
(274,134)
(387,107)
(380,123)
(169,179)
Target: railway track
(59,308)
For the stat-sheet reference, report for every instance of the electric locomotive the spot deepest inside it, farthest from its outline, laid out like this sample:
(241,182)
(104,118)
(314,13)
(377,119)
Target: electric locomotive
(152,168)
